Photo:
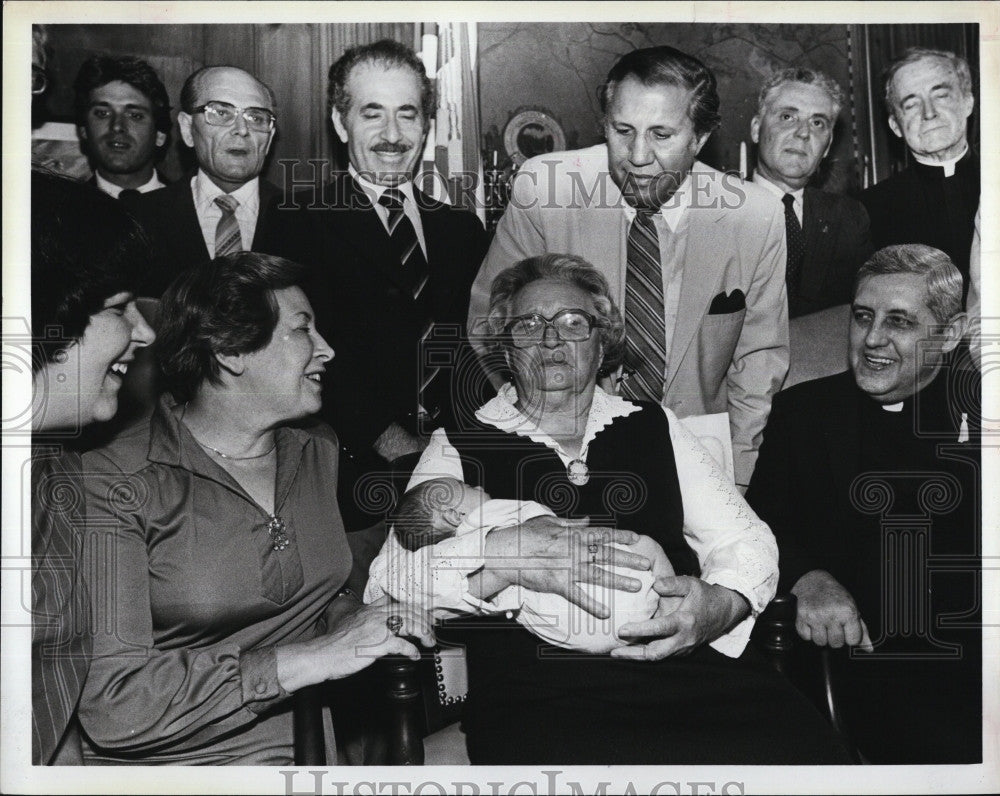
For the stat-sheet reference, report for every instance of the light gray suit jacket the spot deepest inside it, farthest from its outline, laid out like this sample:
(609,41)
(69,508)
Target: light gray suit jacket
(718,362)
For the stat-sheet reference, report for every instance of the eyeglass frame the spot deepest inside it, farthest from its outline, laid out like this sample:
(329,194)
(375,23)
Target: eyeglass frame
(241,112)
(549,323)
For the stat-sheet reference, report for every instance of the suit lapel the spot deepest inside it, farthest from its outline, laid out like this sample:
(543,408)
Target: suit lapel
(189,223)
(703,268)
(364,232)
(816,229)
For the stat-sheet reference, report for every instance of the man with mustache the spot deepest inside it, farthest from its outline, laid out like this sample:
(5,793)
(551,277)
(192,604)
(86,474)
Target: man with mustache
(123,121)
(870,480)
(934,200)
(228,117)
(392,269)
(826,234)
(695,257)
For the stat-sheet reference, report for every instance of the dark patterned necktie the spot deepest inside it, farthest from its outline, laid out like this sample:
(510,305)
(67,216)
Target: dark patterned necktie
(645,329)
(795,242)
(227,233)
(403,238)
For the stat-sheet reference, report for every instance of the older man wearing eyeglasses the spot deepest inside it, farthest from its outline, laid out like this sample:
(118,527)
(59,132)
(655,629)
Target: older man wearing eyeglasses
(228,117)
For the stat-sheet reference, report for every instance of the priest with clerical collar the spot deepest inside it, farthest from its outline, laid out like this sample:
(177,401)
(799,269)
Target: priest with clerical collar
(870,481)
(928,94)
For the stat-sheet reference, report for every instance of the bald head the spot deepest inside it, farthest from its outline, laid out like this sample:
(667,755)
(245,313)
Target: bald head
(194,86)
(231,153)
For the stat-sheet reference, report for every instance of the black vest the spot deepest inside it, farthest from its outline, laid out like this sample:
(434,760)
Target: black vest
(633,478)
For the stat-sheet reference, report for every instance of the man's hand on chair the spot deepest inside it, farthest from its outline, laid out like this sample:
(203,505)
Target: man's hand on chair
(827,614)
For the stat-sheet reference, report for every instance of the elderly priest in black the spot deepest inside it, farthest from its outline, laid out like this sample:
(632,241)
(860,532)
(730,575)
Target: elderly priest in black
(933,200)
(870,482)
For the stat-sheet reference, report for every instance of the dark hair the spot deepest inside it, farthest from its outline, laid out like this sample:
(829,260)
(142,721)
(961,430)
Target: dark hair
(914,54)
(943,279)
(801,74)
(565,268)
(99,70)
(225,307)
(387,54)
(84,249)
(664,65)
(191,87)
(414,513)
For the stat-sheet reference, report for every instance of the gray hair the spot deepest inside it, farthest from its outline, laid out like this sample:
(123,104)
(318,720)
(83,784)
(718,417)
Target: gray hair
(942,278)
(801,74)
(565,268)
(914,54)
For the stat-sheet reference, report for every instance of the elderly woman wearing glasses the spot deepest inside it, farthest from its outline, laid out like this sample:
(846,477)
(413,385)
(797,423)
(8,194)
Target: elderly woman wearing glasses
(687,690)
(220,553)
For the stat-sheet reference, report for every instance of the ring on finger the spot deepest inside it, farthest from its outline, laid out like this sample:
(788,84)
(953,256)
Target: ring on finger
(395,623)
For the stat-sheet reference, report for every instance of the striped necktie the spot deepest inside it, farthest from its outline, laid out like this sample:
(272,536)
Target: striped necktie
(796,244)
(403,238)
(645,329)
(227,233)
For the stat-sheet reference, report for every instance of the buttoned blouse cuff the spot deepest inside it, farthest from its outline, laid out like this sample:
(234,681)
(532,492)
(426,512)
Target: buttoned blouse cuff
(259,673)
(732,643)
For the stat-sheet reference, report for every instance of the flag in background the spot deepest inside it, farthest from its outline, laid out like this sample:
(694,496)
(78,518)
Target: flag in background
(452,169)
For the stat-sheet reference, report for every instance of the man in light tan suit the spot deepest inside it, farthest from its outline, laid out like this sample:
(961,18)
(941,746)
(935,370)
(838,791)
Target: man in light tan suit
(717,340)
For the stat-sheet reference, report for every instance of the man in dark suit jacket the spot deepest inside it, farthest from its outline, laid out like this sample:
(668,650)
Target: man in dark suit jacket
(870,481)
(934,200)
(392,273)
(123,121)
(227,116)
(826,233)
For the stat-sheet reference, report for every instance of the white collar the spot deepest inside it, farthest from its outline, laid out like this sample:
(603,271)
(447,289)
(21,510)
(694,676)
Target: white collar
(948,165)
(777,190)
(673,209)
(114,190)
(501,413)
(205,191)
(375,191)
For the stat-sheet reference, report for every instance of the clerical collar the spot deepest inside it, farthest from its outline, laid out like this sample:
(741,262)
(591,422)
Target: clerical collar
(896,407)
(374,190)
(947,165)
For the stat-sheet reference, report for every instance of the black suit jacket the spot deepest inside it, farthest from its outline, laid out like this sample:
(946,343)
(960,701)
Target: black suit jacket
(912,573)
(171,222)
(366,312)
(921,205)
(837,243)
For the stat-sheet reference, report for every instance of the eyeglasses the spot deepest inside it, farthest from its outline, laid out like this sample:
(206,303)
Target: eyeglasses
(571,326)
(223,114)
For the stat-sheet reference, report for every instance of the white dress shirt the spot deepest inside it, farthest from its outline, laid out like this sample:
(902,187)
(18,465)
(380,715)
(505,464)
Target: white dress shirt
(113,190)
(410,209)
(671,233)
(798,200)
(205,192)
(735,548)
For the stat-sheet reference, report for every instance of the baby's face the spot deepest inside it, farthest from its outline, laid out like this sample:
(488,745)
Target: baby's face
(451,500)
